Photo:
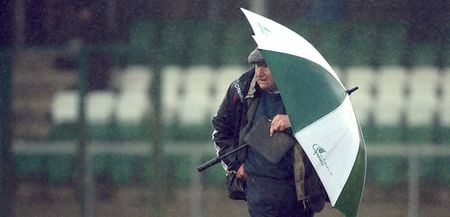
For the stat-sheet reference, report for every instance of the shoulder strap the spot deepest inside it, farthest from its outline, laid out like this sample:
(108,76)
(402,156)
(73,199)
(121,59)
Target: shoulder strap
(299,172)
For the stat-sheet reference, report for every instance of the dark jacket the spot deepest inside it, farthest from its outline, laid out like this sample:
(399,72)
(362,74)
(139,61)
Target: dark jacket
(233,121)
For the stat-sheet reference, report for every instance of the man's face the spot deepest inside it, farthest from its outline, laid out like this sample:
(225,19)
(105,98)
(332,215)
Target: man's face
(264,77)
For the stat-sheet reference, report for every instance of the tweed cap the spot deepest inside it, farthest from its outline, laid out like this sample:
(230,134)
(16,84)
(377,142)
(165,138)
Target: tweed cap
(256,57)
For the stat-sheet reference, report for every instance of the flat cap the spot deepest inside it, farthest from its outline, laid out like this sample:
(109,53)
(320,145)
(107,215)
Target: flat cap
(256,57)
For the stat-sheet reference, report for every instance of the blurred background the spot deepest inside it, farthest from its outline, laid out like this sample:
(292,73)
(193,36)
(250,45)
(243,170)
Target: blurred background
(105,105)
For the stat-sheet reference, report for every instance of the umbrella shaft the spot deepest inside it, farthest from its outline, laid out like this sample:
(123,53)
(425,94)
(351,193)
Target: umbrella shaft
(217,159)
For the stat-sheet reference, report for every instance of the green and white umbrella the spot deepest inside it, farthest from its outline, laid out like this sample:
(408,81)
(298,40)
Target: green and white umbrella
(319,109)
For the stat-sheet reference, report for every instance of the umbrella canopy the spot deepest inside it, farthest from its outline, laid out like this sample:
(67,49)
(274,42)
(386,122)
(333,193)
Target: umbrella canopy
(319,109)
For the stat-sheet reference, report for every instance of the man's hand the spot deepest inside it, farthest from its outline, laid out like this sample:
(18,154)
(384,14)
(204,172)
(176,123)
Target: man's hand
(241,174)
(279,123)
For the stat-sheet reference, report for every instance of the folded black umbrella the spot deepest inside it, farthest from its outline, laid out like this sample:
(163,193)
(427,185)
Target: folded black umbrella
(274,147)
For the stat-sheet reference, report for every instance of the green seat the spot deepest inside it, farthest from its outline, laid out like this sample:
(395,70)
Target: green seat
(122,169)
(420,135)
(392,46)
(132,132)
(329,43)
(444,162)
(387,171)
(29,165)
(446,135)
(101,164)
(386,135)
(423,54)
(181,169)
(429,167)
(142,41)
(237,43)
(64,131)
(197,132)
(215,175)
(360,47)
(369,134)
(101,132)
(442,170)
(446,54)
(173,42)
(303,28)
(206,43)
(423,136)
(60,169)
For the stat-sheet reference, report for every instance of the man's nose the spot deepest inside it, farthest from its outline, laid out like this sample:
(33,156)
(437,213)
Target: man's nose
(260,73)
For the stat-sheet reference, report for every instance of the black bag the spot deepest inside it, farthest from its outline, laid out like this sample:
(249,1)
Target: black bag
(237,189)
(317,196)
(272,148)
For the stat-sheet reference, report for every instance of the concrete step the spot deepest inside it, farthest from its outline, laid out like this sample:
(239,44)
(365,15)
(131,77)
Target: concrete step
(31,106)
(35,81)
(26,61)
(31,128)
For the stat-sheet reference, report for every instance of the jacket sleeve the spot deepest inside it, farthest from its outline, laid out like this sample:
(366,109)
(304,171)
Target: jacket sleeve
(226,128)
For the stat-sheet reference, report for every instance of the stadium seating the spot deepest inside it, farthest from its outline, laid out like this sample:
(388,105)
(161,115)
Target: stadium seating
(387,124)
(362,100)
(226,75)
(194,105)
(59,168)
(421,112)
(30,166)
(64,115)
(360,43)
(64,107)
(329,41)
(389,105)
(237,43)
(444,120)
(303,27)
(395,104)
(423,54)
(444,108)
(99,114)
(174,38)
(132,106)
(205,43)
(132,110)
(392,39)
(136,78)
(421,105)
(172,89)
(142,35)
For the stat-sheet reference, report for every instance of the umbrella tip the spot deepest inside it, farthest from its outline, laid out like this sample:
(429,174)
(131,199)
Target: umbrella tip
(350,91)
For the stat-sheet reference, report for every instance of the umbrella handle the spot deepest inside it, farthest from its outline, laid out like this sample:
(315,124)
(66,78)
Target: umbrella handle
(350,91)
(217,159)
(208,164)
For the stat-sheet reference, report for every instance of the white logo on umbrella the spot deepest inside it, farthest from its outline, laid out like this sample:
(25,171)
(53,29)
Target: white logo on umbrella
(264,30)
(318,152)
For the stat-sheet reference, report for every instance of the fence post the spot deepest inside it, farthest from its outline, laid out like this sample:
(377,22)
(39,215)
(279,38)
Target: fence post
(85,179)
(157,156)
(196,186)
(413,184)
(6,162)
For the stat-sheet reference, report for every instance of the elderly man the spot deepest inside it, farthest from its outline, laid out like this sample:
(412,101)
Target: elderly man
(286,188)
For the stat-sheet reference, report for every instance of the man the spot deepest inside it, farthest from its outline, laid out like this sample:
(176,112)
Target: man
(288,188)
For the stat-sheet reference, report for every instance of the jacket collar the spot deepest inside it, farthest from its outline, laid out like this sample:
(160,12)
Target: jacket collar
(252,88)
